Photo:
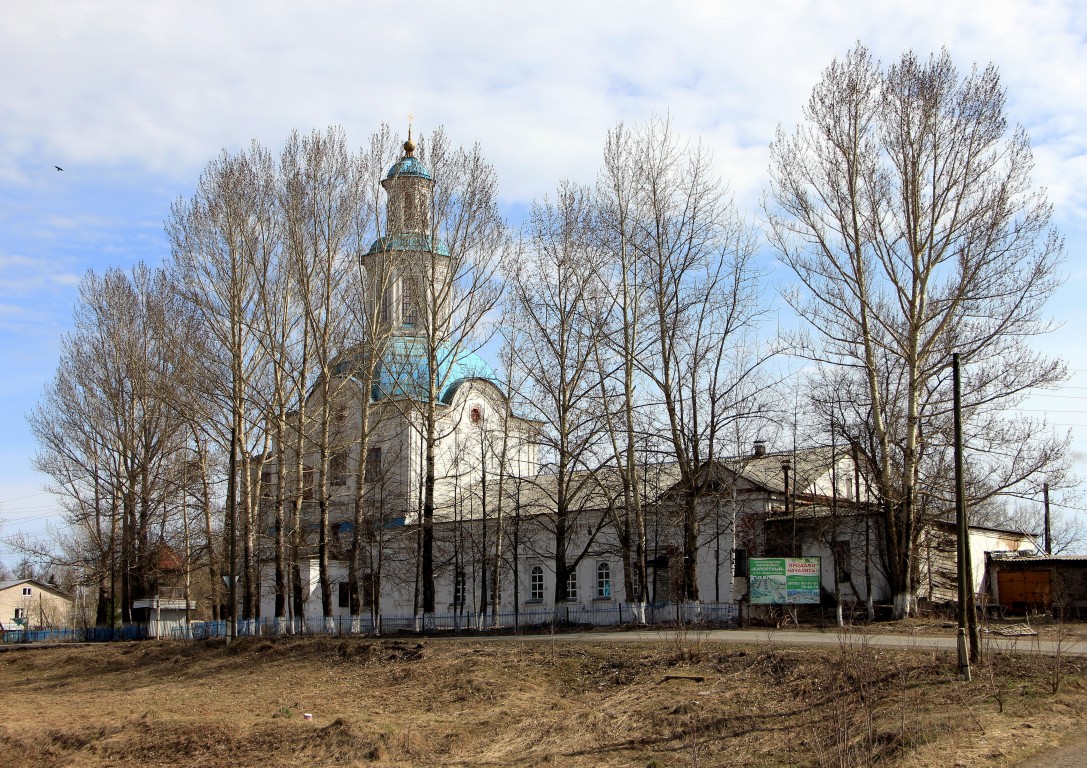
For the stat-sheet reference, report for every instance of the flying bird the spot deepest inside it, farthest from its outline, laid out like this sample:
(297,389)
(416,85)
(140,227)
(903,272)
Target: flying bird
(58,167)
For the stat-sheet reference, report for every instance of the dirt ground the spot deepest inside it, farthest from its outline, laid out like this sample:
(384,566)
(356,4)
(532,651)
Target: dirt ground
(681,702)
(1045,625)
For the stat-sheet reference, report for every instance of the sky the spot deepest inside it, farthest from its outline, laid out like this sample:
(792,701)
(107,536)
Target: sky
(133,99)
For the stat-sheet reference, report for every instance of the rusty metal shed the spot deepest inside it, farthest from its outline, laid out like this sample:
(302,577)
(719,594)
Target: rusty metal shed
(1023,583)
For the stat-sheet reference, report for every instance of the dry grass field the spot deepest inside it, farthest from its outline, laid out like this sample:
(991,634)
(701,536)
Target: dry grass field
(680,702)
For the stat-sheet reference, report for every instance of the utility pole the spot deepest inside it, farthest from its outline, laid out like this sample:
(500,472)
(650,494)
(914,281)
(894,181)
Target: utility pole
(1045,501)
(967,613)
(789,508)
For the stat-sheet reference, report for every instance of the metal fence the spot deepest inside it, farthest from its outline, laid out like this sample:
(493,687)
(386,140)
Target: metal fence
(527,620)
(82,635)
(565,617)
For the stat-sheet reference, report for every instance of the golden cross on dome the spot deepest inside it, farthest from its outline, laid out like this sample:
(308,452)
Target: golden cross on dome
(409,145)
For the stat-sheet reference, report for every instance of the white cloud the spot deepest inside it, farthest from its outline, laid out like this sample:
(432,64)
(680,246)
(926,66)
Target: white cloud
(166,85)
(133,98)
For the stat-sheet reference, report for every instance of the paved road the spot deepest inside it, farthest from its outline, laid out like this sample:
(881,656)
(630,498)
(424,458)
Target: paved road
(782,637)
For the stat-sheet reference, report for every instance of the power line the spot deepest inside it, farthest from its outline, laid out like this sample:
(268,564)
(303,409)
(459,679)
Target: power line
(20,498)
(1050,410)
(24,510)
(32,517)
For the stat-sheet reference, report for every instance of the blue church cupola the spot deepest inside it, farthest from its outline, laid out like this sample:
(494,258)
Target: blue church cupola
(408,260)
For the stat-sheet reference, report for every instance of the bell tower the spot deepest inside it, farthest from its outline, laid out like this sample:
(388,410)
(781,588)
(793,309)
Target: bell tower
(410,188)
(413,262)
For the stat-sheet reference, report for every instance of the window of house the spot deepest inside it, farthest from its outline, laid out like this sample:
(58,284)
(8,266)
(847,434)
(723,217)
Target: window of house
(337,468)
(603,581)
(536,583)
(842,561)
(18,613)
(571,585)
(460,583)
(739,563)
(345,594)
(369,589)
(267,484)
(307,483)
(373,465)
(338,419)
(476,414)
(490,594)
(339,539)
(386,306)
(26,591)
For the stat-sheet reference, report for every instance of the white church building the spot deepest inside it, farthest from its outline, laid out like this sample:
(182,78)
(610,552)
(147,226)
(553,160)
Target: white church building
(487,479)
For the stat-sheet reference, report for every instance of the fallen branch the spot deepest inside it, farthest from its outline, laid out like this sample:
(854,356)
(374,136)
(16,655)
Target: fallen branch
(695,678)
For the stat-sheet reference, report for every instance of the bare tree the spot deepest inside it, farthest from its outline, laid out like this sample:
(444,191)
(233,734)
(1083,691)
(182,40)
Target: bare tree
(219,239)
(904,205)
(320,200)
(110,439)
(702,302)
(554,314)
(619,348)
(369,335)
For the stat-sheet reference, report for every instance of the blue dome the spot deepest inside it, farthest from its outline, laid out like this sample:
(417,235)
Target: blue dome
(403,370)
(406,241)
(408,166)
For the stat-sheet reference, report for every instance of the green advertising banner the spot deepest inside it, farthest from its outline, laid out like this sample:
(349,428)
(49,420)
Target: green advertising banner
(784,580)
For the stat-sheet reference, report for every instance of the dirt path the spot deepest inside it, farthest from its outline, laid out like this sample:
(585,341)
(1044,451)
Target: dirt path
(1076,646)
(1071,756)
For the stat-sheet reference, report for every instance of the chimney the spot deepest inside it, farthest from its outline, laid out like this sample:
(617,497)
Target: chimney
(760,448)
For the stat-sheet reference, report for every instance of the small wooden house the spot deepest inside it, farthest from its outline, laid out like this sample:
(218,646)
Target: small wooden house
(31,604)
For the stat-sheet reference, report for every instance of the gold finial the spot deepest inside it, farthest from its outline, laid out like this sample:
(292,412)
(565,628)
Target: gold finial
(409,145)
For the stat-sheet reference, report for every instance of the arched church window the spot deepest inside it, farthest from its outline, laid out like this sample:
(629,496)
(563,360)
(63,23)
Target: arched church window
(408,309)
(459,583)
(409,209)
(536,583)
(308,477)
(337,468)
(373,465)
(424,211)
(476,414)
